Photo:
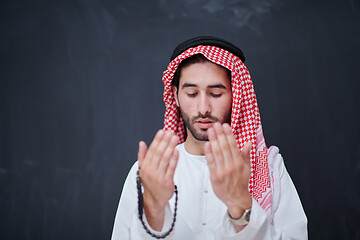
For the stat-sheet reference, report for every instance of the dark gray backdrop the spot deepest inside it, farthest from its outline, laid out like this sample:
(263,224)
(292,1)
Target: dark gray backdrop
(80,85)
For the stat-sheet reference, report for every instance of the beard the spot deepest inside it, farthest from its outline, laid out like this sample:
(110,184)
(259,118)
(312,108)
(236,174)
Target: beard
(201,134)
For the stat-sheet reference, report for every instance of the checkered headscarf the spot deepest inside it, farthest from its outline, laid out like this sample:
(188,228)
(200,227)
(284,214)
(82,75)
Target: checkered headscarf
(245,117)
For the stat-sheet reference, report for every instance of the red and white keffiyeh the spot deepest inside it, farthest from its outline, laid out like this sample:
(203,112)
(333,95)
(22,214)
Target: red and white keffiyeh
(245,117)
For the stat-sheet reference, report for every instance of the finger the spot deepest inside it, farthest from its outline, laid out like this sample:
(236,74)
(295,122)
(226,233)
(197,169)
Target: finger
(215,147)
(168,152)
(224,145)
(172,165)
(232,141)
(156,141)
(209,157)
(153,147)
(161,148)
(141,152)
(245,152)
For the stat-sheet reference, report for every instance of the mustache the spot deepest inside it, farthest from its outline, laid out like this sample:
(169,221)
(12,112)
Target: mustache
(203,116)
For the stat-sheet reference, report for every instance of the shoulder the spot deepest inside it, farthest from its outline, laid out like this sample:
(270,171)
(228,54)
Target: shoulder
(275,161)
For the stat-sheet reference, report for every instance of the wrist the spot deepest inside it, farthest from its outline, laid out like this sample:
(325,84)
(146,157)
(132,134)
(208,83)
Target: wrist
(236,213)
(152,207)
(237,209)
(241,222)
(154,213)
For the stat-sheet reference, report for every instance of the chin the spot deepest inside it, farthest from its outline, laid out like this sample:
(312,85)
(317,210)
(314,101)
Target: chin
(200,135)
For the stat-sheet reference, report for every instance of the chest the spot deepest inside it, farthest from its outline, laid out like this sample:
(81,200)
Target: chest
(199,210)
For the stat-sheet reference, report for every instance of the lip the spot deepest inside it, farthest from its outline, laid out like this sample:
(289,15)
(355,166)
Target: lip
(204,123)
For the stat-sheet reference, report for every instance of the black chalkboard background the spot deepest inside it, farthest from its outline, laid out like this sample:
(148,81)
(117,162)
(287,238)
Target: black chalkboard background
(80,85)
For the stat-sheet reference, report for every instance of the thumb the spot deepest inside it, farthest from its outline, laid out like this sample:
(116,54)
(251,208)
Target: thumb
(142,152)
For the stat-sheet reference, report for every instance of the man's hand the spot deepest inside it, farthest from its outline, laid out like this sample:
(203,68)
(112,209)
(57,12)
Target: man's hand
(157,166)
(229,169)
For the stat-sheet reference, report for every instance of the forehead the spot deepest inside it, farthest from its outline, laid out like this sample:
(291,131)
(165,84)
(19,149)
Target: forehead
(204,74)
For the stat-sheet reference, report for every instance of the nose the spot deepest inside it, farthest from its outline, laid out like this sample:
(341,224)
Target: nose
(204,106)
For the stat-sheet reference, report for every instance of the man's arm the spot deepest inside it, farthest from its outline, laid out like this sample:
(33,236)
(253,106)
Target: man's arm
(156,169)
(157,165)
(230,181)
(127,225)
(289,220)
(229,170)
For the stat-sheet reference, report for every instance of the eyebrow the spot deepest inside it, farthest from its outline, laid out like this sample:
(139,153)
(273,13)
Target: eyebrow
(186,85)
(217,86)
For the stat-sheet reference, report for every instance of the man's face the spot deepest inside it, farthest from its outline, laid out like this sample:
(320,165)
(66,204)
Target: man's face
(204,97)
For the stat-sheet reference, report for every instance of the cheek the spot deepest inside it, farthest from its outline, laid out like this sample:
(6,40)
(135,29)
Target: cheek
(223,112)
(226,105)
(186,105)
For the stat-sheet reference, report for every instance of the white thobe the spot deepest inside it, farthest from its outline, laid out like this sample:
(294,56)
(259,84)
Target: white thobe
(201,215)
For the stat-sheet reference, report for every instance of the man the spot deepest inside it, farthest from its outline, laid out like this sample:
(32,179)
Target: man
(227,183)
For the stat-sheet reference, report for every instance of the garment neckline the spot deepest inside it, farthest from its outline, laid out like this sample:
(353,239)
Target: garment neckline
(201,158)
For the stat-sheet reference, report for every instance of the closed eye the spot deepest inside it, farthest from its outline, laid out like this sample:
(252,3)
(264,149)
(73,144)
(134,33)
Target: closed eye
(192,94)
(215,95)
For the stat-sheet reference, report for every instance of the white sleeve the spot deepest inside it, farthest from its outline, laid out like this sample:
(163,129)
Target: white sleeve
(289,220)
(127,225)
